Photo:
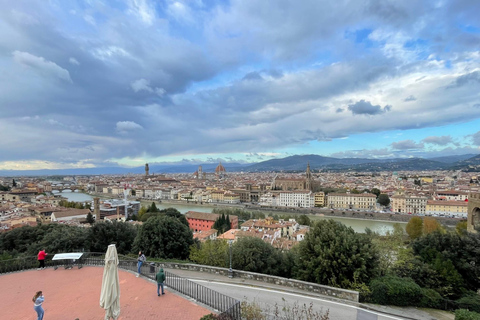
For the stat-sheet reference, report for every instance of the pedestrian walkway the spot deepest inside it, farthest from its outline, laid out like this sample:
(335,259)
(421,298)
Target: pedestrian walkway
(75,293)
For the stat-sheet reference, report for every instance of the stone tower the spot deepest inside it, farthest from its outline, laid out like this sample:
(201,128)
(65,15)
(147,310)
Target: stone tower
(96,208)
(473,218)
(308,178)
(200,173)
(146,169)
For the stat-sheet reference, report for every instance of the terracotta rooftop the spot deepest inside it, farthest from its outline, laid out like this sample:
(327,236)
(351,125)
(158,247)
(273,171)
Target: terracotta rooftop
(75,293)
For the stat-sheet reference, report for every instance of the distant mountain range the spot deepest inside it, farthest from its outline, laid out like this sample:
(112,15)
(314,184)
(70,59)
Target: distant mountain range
(467,162)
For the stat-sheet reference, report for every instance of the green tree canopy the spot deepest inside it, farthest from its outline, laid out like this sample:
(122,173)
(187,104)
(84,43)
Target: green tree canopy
(104,233)
(451,255)
(375,191)
(333,254)
(304,220)
(172,212)
(255,255)
(383,199)
(222,224)
(164,237)
(153,208)
(211,253)
(414,227)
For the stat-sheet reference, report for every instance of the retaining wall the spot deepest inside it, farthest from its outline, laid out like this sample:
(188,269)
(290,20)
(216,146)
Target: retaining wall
(292,283)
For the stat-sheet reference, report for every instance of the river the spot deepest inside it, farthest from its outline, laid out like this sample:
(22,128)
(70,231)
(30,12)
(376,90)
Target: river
(358,225)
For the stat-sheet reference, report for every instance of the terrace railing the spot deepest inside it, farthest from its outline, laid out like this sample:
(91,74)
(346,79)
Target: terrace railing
(228,307)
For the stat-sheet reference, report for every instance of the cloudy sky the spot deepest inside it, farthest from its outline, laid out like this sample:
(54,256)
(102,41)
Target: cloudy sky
(123,82)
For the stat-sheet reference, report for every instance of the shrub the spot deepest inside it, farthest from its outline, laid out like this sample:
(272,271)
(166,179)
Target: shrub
(463,314)
(391,290)
(470,301)
(431,299)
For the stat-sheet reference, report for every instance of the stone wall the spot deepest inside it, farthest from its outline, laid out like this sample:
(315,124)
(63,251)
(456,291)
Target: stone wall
(291,283)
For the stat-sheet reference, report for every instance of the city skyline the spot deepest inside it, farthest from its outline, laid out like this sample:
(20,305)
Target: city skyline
(106,83)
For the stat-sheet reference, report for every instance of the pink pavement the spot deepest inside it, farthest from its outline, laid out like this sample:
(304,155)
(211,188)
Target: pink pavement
(75,293)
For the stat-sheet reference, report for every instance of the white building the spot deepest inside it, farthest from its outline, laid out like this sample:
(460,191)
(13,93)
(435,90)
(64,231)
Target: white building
(302,199)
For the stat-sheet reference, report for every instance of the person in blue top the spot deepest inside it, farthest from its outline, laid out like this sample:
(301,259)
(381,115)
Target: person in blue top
(141,259)
(38,299)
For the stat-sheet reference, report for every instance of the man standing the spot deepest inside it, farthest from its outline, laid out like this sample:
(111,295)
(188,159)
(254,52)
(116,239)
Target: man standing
(141,259)
(160,276)
(41,259)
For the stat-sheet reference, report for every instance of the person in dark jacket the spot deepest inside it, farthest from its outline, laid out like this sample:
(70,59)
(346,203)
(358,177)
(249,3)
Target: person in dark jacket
(160,276)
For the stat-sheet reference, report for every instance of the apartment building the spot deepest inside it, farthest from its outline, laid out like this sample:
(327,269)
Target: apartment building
(362,201)
(447,208)
(416,204)
(319,199)
(302,199)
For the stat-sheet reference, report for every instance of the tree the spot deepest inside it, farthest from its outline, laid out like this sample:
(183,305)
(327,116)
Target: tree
(164,237)
(14,184)
(254,255)
(141,212)
(414,227)
(430,225)
(304,220)
(153,208)
(461,227)
(375,191)
(448,254)
(333,254)
(90,218)
(103,233)
(172,212)
(383,199)
(211,253)
(222,224)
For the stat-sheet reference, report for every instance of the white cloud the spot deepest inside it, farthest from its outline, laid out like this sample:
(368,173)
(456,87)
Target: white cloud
(73,61)
(125,126)
(105,53)
(90,20)
(143,9)
(41,65)
(180,12)
(144,85)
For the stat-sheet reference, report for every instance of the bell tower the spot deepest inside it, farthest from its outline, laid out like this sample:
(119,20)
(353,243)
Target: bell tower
(308,178)
(146,169)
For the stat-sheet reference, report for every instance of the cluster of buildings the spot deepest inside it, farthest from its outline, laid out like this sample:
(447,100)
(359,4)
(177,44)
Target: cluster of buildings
(436,193)
(281,234)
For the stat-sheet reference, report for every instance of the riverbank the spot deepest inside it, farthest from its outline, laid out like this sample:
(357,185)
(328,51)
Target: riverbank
(314,213)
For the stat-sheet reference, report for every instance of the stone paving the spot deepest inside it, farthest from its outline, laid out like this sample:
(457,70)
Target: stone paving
(75,293)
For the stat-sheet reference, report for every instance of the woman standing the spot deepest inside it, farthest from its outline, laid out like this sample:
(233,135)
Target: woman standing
(38,299)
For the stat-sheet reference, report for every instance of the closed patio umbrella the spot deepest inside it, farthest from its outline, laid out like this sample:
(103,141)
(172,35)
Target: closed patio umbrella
(110,294)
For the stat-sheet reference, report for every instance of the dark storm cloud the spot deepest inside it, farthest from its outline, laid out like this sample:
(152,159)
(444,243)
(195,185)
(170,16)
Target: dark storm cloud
(365,107)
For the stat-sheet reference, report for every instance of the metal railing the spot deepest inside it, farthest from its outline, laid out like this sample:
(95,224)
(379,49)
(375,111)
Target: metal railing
(228,307)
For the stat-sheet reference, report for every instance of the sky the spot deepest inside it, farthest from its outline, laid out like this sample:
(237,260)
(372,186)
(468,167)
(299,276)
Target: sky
(98,83)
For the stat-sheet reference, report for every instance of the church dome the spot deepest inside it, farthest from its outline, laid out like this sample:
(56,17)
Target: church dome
(220,168)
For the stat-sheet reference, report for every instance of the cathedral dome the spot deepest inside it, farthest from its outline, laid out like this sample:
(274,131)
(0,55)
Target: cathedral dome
(220,168)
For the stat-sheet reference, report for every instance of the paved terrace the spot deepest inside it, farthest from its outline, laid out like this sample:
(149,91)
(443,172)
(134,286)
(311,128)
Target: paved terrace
(75,293)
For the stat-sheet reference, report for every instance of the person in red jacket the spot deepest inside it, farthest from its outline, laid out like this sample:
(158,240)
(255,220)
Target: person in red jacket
(41,259)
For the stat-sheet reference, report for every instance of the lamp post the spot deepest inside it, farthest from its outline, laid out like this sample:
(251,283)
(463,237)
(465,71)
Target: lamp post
(230,271)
